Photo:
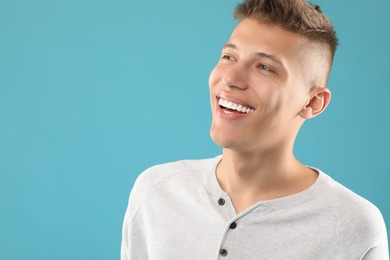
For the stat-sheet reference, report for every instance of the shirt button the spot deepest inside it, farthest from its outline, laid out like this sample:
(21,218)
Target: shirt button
(233,225)
(223,252)
(221,202)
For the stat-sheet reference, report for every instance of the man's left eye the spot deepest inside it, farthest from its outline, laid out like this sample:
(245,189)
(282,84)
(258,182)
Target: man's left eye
(266,68)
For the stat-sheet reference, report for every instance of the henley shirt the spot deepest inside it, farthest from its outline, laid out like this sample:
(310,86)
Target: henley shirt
(179,211)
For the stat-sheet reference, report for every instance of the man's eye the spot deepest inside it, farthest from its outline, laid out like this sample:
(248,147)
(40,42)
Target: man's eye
(226,57)
(266,68)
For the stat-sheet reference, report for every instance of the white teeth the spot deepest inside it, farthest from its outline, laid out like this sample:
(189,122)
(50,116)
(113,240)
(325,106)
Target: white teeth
(234,106)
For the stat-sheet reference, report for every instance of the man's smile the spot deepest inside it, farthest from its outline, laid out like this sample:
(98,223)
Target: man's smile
(230,107)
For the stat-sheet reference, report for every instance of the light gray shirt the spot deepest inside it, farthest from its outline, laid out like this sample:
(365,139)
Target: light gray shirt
(179,211)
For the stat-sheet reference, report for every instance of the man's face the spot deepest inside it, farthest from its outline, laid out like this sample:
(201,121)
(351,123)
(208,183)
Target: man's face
(263,72)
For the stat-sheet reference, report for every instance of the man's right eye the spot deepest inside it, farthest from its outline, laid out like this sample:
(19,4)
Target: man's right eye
(227,57)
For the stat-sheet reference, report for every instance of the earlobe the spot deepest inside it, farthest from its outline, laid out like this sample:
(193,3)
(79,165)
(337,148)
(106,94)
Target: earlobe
(316,104)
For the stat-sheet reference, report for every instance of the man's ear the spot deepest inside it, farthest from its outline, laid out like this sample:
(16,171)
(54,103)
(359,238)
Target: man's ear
(316,103)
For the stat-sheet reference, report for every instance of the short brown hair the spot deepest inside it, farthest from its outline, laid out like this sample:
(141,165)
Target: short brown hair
(297,16)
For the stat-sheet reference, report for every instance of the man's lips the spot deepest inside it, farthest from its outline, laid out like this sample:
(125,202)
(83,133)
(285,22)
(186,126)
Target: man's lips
(231,106)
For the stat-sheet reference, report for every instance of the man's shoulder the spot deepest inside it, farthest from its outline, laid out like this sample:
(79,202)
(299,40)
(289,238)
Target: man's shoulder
(355,217)
(184,171)
(183,168)
(173,174)
(345,200)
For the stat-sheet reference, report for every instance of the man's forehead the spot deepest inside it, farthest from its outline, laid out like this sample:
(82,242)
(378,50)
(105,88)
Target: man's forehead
(260,35)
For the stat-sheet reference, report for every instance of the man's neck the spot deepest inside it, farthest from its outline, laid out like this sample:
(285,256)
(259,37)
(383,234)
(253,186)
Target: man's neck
(248,178)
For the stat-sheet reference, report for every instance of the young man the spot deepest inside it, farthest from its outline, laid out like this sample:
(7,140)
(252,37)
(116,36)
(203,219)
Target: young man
(257,201)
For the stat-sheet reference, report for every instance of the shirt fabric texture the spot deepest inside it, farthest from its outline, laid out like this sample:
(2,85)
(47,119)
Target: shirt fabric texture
(179,211)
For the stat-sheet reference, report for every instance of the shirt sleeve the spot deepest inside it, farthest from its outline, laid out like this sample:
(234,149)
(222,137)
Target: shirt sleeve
(376,253)
(133,244)
(380,250)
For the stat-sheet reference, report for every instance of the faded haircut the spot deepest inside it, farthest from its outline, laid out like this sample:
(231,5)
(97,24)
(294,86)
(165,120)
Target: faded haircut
(297,16)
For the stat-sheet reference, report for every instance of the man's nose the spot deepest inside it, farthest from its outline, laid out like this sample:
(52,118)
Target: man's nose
(236,77)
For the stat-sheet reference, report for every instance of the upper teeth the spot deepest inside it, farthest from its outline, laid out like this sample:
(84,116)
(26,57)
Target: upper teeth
(234,106)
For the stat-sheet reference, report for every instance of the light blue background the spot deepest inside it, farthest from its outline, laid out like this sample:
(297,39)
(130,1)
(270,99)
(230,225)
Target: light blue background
(94,92)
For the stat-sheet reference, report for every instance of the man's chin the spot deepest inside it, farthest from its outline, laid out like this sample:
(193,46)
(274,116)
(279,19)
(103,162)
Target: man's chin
(224,143)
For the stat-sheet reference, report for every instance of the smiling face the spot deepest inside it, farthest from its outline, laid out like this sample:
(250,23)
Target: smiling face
(261,87)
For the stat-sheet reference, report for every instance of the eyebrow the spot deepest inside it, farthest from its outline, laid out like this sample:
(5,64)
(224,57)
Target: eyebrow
(257,54)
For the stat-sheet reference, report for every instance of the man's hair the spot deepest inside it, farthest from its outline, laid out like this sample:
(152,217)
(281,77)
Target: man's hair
(297,16)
